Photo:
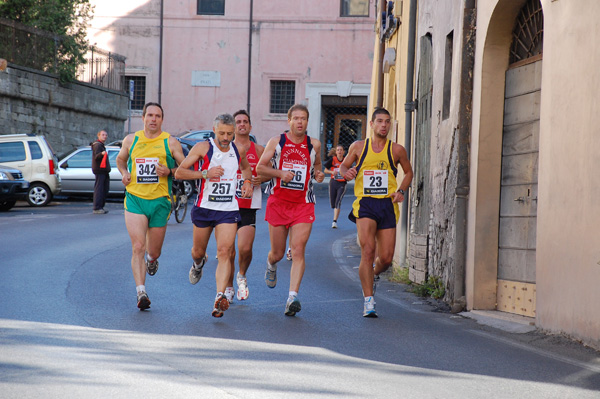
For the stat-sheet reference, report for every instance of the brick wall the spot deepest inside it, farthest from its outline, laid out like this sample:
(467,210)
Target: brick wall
(69,115)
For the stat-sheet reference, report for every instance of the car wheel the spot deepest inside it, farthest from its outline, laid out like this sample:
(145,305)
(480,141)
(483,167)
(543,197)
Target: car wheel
(6,205)
(39,195)
(188,188)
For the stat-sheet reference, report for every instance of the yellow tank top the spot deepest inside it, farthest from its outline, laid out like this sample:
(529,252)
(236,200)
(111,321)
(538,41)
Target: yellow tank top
(377,172)
(144,155)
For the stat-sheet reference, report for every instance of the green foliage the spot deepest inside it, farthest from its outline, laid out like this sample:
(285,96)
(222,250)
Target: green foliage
(433,287)
(65,18)
(400,275)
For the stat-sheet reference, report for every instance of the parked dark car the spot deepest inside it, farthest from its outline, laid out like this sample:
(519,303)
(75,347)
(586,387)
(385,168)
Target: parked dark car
(12,187)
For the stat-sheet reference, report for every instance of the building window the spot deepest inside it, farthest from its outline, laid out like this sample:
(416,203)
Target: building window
(139,91)
(283,96)
(448,76)
(354,8)
(211,7)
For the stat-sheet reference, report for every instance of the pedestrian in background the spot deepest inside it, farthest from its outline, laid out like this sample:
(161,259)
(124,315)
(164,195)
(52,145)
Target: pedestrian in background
(337,184)
(101,169)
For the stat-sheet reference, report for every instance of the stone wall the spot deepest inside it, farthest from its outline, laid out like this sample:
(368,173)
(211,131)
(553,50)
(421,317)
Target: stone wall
(69,115)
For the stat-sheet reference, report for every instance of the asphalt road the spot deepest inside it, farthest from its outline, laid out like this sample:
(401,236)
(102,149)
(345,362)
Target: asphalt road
(69,326)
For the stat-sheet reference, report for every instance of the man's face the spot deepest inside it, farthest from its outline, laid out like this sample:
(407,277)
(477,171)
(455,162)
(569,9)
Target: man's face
(102,136)
(224,135)
(381,125)
(298,122)
(339,152)
(153,119)
(242,125)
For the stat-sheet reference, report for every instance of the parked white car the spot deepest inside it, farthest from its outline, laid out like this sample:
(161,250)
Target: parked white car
(33,156)
(77,176)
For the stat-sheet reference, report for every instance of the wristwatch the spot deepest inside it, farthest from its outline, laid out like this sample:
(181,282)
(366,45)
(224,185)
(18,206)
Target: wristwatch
(204,174)
(401,191)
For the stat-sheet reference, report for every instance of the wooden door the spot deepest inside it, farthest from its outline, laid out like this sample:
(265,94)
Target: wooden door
(518,192)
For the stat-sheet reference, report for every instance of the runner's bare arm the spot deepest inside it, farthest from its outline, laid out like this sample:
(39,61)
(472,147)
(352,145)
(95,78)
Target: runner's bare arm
(122,158)
(346,168)
(400,154)
(264,167)
(256,181)
(197,152)
(318,167)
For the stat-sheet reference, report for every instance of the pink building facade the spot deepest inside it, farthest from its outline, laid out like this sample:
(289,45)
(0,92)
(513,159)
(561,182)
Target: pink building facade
(200,58)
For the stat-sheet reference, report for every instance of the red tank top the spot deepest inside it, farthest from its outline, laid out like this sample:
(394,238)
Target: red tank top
(298,158)
(249,203)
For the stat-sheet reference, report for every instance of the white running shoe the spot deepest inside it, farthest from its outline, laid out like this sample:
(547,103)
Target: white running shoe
(288,254)
(292,306)
(369,308)
(334,225)
(196,271)
(229,293)
(242,283)
(270,277)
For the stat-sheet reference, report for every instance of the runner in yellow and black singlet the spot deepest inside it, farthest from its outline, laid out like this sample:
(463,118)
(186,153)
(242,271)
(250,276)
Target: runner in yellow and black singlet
(375,210)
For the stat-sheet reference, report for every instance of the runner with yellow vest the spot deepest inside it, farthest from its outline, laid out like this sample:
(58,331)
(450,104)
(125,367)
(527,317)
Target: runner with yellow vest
(375,210)
(147,161)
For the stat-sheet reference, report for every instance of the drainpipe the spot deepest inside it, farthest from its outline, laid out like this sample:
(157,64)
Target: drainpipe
(250,55)
(160,51)
(409,107)
(382,8)
(464,137)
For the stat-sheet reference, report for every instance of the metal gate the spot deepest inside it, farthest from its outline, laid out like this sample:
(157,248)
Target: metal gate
(343,121)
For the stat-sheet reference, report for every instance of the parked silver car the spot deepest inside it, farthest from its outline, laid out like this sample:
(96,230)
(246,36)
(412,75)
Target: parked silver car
(77,176)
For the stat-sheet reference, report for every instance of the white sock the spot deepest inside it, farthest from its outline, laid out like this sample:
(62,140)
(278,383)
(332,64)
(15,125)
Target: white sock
(293,294)
(140,288)
(202,262)
(270,266)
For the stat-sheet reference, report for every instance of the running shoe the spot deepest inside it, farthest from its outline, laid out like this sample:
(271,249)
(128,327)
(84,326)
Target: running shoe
(221,305)
(288,254)
(270,277)
(242,292)
(334,225)
(292,306)
(369,308)
(196,271)
(151,265)
(143,302)
(229,293)
(376,279)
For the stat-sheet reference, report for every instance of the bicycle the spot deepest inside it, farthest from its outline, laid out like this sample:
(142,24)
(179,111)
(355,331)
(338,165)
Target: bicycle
(179,200)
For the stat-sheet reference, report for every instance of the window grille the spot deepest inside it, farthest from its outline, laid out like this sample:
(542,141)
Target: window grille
(283,96)
(528,34)
(139,91)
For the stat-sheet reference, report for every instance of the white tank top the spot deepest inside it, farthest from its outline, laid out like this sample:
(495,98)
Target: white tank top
(218,193)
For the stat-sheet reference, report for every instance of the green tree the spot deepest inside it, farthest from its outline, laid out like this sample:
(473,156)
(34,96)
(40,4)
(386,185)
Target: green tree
(65,18)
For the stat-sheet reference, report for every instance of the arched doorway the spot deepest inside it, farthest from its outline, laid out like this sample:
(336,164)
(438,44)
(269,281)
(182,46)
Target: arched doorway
(520,149)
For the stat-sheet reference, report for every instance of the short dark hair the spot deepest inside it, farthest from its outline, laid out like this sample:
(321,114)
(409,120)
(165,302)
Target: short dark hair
(155,105)
(242,112)
(297,107)
(380,110)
